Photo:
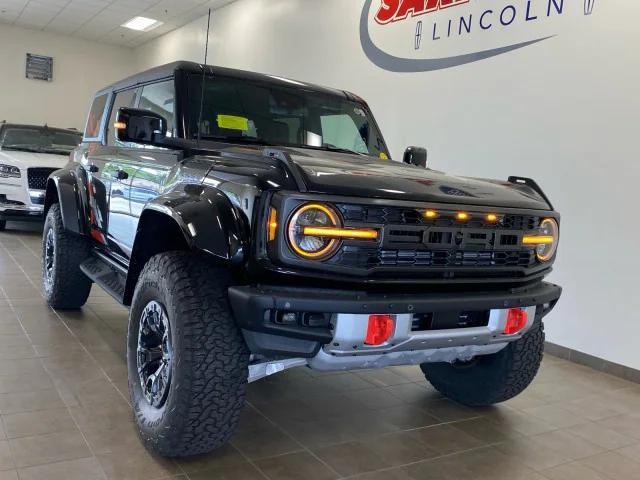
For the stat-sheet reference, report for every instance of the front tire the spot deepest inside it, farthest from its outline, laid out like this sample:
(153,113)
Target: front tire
(200,361)
(63,283)
(491,379)
(3,225)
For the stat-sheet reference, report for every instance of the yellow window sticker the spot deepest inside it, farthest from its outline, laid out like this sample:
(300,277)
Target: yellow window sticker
(232,122)
(384,156)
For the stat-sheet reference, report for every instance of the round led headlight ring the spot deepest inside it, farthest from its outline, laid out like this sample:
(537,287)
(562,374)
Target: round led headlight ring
(313,215)
(548,228)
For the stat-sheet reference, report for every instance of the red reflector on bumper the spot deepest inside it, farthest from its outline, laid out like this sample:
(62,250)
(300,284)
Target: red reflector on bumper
(516,321)
(379,330)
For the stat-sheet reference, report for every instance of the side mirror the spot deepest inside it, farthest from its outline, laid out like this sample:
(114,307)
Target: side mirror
(140,126)
(415,156)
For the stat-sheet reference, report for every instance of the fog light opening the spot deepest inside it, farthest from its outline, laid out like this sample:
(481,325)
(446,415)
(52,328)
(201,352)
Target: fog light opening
(379,330)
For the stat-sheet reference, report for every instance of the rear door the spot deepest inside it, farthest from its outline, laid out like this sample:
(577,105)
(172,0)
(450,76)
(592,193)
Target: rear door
(90,157)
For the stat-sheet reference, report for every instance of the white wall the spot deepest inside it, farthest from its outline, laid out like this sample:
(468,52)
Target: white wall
(80,68)
(565,111)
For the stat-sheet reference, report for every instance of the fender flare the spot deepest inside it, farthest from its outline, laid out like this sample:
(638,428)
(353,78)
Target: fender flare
(65,187)
(206,220)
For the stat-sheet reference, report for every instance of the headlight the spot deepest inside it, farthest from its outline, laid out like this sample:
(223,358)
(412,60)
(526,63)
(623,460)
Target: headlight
(546,241)
(313,215)
(9,171)
(315,231)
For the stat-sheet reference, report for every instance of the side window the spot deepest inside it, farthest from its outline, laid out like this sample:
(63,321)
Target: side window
(160,99)
(92,129)
(341,131)
(125,98)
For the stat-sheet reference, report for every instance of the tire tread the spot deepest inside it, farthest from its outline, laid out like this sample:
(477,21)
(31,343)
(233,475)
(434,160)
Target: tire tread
(211,389)
(71,287)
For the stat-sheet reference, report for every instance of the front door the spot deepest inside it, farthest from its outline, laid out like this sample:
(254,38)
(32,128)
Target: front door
(120,165)
(139,172)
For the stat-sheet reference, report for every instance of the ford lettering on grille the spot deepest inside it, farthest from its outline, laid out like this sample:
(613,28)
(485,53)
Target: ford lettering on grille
(431,238)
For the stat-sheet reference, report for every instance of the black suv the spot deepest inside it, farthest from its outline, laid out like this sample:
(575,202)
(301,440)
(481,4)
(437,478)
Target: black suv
(254,223)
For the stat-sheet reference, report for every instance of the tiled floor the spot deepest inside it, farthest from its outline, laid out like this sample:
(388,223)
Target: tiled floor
(65,412)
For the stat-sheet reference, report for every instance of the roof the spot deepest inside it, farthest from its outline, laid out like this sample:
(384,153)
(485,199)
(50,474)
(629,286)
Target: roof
(168,70)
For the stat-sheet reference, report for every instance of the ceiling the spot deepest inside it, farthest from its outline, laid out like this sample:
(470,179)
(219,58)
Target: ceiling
(100,20)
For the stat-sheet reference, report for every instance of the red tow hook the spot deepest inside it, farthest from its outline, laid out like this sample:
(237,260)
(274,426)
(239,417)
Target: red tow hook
(516,321)
(379,329)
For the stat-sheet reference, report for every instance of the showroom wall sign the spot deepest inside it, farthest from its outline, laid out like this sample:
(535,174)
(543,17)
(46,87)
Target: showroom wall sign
(427,35)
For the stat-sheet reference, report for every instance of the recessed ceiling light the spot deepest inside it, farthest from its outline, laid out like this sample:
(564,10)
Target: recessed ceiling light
(142,24)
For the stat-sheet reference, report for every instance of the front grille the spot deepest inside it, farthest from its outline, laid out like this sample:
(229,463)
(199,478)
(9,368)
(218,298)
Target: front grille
(368,258)
(413,216)
(410,239)
(37,177)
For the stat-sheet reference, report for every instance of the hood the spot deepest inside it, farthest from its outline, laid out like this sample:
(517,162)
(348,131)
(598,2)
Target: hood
(350,175)
(24,160)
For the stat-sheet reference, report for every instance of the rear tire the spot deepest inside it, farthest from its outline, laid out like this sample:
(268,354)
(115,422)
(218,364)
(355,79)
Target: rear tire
(3,225)
(63,283)
(195,408)
(491,379)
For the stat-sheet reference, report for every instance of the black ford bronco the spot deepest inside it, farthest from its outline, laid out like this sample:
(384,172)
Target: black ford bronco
(254,223)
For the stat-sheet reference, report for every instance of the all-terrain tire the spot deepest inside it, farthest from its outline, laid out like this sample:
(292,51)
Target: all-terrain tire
(64,285)
(491,379)
(3,225)
(209,363)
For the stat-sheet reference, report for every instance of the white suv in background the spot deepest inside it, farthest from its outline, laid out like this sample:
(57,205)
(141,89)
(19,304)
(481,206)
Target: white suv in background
(28,155)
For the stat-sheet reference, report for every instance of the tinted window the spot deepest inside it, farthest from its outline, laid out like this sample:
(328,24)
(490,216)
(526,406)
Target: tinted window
(95,117)
(160,99)
(343,131)
(39,139)
(247,111)
(122,99)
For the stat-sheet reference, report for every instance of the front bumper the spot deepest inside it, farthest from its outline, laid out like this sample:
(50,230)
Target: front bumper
(255,308)
(19,203)
(21,213)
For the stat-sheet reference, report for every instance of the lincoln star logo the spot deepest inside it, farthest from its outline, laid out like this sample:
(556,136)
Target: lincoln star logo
(427,35)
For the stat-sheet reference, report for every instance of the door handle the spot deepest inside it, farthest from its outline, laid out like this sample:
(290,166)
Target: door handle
(93,169)
(121,175)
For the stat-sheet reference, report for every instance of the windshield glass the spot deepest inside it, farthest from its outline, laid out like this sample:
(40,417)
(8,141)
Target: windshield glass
(237,110)
(40,139)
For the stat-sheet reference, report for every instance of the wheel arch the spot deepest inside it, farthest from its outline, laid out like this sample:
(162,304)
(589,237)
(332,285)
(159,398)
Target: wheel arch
(196,218)
(64,187)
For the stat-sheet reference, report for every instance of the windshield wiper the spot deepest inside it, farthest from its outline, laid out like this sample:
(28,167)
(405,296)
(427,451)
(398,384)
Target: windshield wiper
(56,151)
(19,148)
(332,148)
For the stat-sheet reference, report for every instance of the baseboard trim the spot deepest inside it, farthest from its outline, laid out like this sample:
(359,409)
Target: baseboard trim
(605,366)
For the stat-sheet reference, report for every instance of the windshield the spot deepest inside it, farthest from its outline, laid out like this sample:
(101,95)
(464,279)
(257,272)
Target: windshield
(40,139)
(244,111)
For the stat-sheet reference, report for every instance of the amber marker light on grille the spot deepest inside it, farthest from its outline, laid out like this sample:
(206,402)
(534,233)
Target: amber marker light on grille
(537,240)
(430,214)
(491,217)
(119,125)
(273,224)
(341,233)
(462,216)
